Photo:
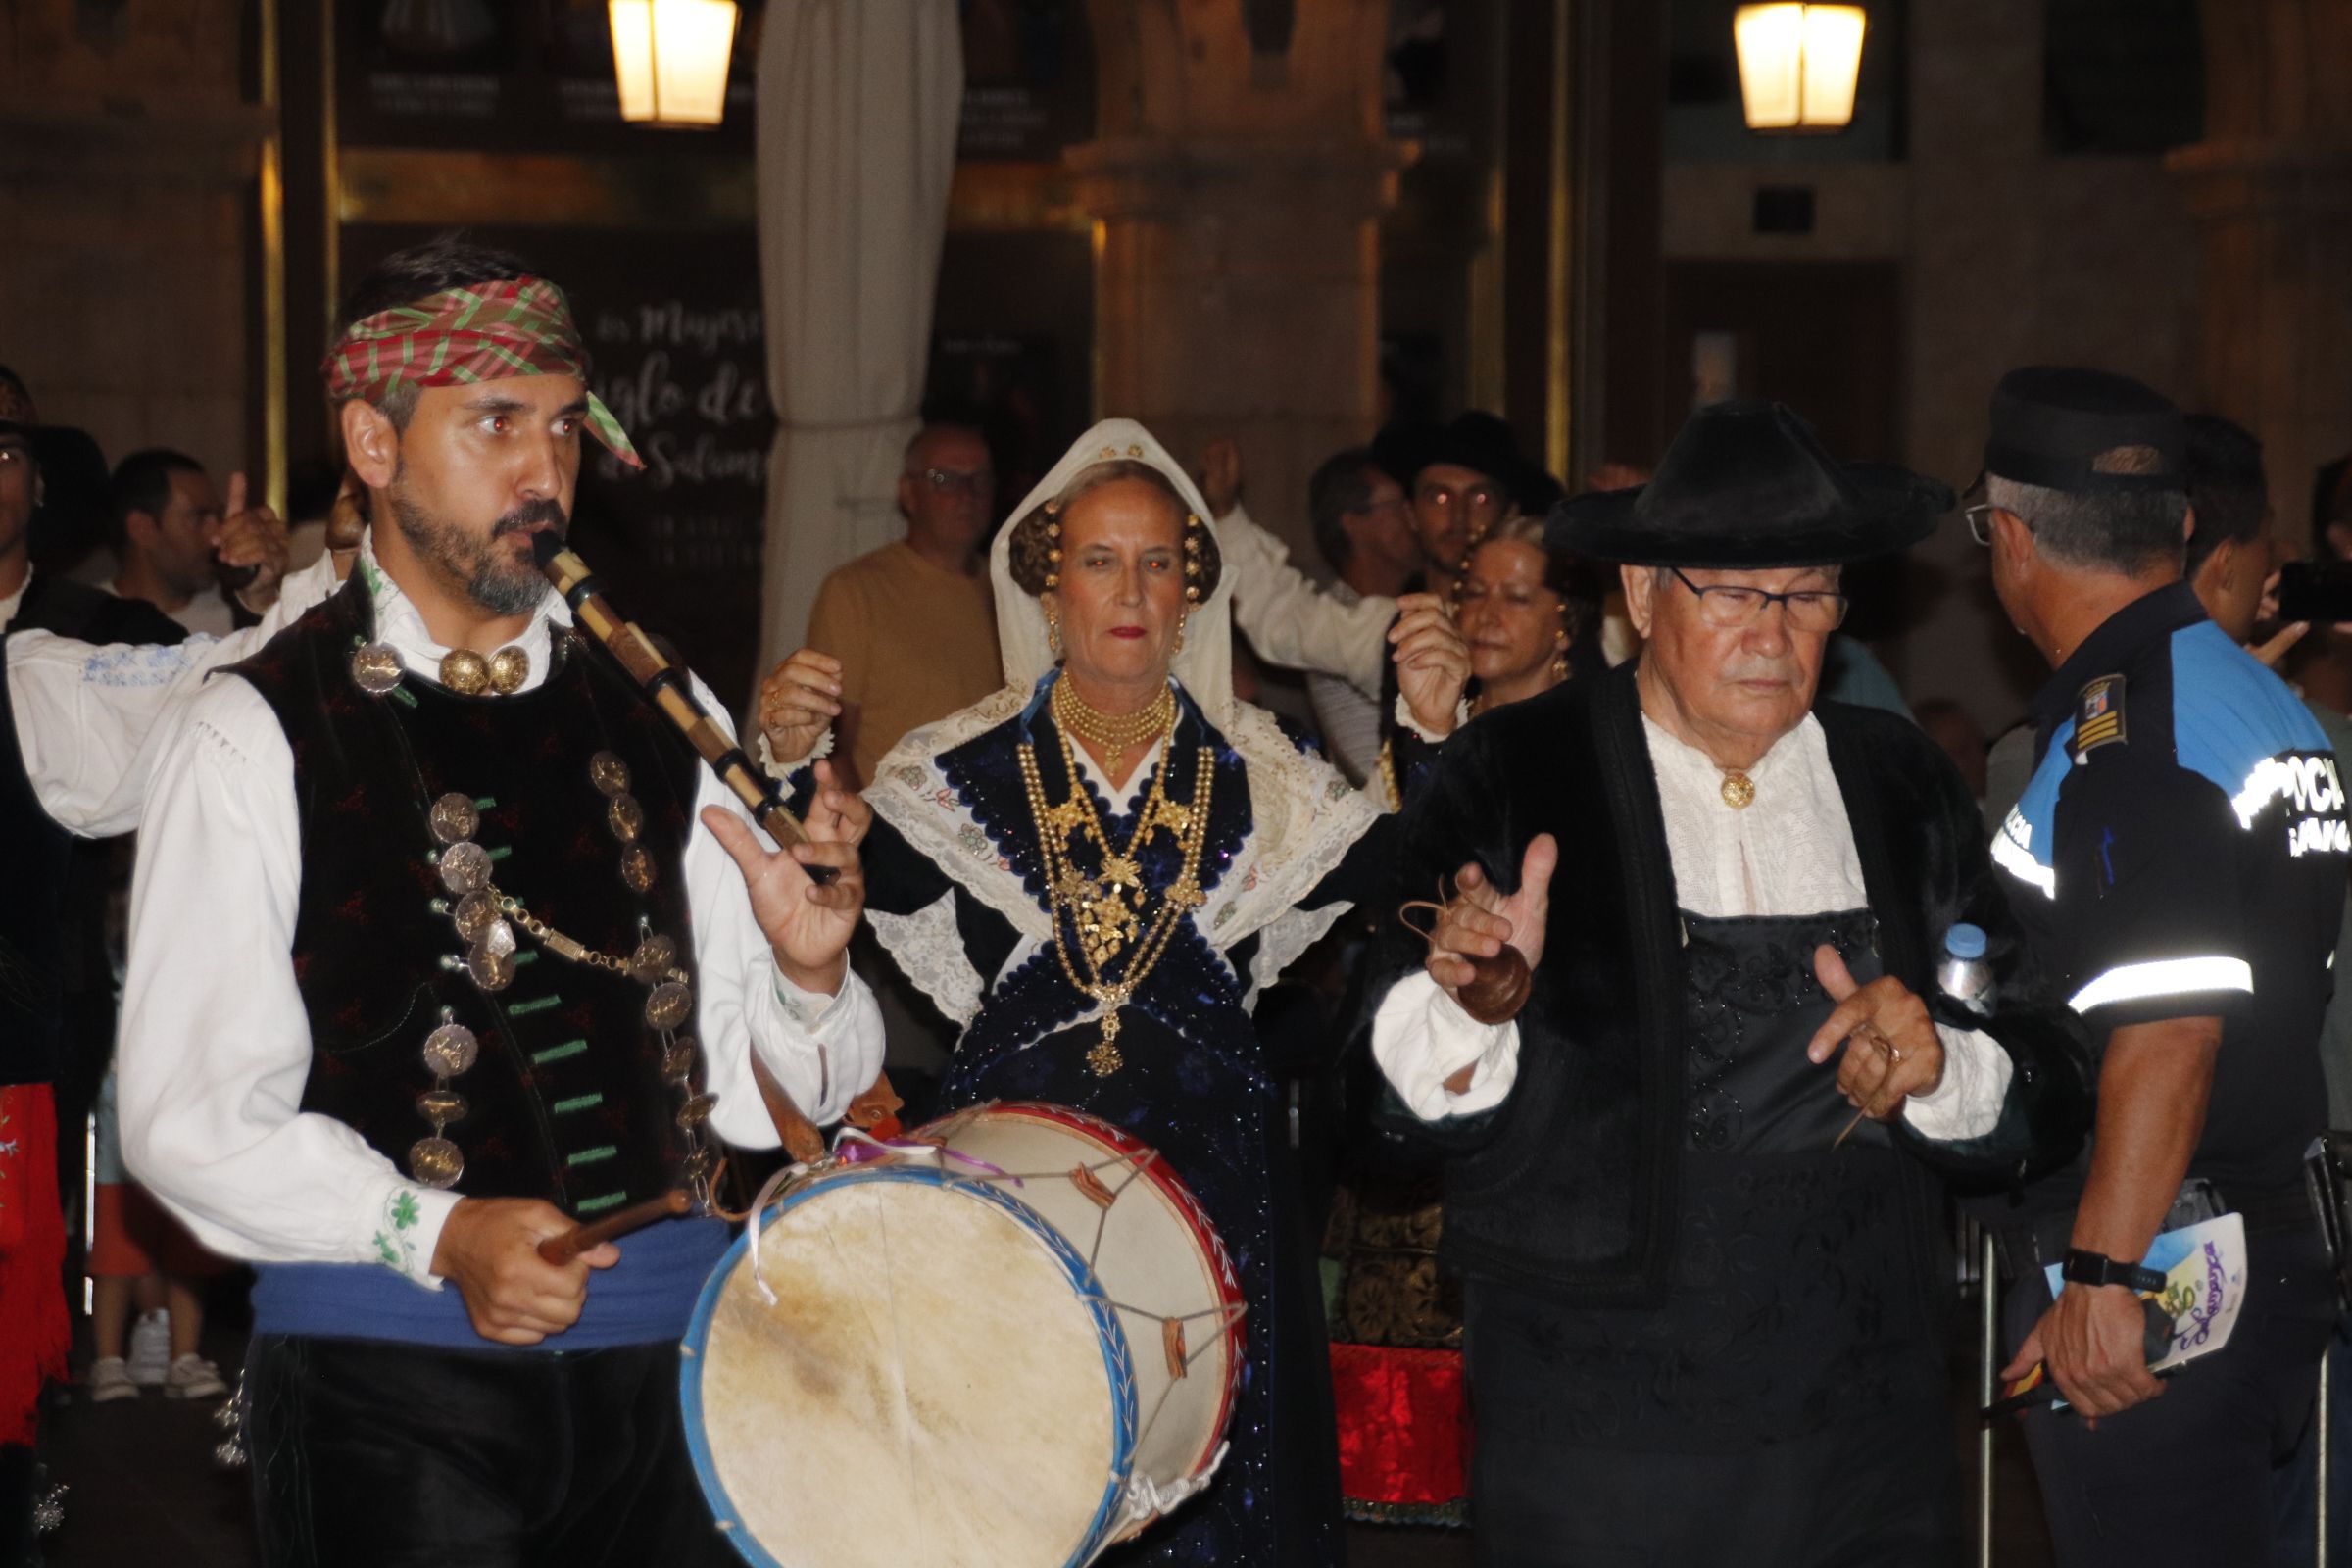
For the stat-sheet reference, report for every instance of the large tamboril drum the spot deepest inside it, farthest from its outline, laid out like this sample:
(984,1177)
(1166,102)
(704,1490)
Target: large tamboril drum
(1008,1340)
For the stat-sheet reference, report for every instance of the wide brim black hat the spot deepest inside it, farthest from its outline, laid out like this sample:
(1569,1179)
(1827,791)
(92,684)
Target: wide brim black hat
(1748,485)
(1476,440)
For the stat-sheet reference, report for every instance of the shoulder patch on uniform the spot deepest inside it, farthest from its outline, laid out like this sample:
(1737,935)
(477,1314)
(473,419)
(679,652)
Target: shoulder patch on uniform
(2100,715)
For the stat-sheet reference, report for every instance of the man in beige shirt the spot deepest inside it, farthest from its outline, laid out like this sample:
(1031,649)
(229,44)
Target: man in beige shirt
(912,623)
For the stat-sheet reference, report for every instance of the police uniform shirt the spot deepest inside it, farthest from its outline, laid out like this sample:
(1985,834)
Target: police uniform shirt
(2180,852)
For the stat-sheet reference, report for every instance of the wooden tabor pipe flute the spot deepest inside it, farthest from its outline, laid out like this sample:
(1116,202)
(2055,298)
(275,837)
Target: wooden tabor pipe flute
(666,685)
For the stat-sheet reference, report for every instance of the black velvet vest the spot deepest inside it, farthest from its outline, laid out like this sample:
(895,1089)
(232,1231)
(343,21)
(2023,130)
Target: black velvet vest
(566,1101)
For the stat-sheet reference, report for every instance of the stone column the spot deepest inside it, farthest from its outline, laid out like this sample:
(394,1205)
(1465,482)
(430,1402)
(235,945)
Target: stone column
(1235,190)
(2270,191)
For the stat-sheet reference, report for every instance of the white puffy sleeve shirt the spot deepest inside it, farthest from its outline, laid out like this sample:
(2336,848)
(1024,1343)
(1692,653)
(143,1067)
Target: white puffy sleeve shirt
(1790,852)
(87,713)
(214,1045)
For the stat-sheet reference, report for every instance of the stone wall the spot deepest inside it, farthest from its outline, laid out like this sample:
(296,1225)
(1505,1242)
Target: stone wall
(129,154)
(2010,257)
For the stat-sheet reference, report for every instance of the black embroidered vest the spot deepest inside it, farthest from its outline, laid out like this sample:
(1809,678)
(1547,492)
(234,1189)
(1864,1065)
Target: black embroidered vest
(566,1101)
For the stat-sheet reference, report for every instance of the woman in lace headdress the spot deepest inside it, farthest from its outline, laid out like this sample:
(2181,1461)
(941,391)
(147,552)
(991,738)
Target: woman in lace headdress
(1095,871)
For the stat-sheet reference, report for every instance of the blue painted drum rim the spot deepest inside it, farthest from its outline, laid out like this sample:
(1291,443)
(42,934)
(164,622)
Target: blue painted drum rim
(1117,1359)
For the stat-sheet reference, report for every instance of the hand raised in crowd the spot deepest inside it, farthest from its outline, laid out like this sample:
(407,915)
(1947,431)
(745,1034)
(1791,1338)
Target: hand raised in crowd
(809,926)
(1433,662)
(1891,1047)
(2093,1343)
(489,1250)
(1220,475)
(252,537)
(798,701)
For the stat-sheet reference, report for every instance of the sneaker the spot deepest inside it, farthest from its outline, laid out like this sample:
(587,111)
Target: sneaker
(151,1348)
(192,1377)
(110,1380)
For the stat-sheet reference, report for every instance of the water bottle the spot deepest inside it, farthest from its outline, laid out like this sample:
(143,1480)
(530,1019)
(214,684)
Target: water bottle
(1963,976)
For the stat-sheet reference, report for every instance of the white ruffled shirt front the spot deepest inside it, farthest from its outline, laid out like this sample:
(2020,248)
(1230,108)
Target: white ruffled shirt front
(1790,852)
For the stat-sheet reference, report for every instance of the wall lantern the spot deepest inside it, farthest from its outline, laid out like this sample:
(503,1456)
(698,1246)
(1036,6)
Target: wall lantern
(1798,65)
(671,59)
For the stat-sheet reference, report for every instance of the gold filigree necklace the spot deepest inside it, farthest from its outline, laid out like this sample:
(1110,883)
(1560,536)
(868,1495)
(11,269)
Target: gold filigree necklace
(1106,911)
(1112,734)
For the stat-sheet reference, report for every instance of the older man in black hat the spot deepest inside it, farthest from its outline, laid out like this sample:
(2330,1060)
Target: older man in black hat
(2180,854)
(1706,1305)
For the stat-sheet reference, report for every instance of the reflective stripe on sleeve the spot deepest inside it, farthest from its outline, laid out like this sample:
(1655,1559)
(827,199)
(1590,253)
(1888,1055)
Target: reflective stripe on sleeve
(2164,977)
(2012,855)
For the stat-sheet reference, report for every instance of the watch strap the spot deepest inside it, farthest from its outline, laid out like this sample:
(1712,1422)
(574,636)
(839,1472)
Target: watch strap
(2083,1267)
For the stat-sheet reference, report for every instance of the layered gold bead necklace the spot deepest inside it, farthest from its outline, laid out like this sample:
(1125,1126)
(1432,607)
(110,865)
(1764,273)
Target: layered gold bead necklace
(1106,911)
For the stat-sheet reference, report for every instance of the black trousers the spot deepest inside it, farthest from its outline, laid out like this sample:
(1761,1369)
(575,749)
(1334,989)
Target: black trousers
(1871,1492)
(2187,1477)
(367,1453)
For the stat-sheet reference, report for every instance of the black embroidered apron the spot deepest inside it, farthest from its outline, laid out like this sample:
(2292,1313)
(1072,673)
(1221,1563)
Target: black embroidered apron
(1807,1279)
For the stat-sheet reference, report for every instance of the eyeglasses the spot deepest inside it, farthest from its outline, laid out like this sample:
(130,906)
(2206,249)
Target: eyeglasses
(1728,607)
(1980,521)
(947,483)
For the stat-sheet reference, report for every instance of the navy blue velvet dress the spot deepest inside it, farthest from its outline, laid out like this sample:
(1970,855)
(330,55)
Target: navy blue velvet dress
(1195,1084)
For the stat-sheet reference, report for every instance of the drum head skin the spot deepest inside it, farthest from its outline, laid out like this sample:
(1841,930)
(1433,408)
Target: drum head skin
(924,1331)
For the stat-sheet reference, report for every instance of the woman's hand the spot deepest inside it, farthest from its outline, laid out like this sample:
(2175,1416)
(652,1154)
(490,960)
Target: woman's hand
(798,701)
(1433,662)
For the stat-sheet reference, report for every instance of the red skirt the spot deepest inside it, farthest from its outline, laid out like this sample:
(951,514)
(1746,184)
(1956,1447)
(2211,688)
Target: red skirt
(1405,1433)
(33,1255)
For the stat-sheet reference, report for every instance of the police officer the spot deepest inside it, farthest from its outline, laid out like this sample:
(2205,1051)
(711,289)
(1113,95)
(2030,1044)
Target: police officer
(2177,861)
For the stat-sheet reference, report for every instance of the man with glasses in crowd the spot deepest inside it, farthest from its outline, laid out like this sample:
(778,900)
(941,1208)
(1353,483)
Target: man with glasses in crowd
(1690,1189)
(911,625)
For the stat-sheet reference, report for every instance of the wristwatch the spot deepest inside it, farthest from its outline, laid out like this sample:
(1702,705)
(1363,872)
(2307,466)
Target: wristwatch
(2098,1268)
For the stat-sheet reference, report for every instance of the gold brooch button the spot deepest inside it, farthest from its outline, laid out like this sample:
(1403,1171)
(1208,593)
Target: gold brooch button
(637,868)
(626,817)
(510,667)
(465,672)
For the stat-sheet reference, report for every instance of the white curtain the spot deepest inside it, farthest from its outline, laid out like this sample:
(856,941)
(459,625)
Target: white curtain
(859,102)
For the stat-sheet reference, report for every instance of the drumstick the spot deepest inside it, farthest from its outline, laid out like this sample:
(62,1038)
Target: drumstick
(562,1250)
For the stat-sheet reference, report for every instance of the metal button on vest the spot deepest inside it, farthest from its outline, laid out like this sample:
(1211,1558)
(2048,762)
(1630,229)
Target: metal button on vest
(609,773)
(453,818)
(465,867)
(450,1049)
(435,1161)
(376,668)
(669,1005)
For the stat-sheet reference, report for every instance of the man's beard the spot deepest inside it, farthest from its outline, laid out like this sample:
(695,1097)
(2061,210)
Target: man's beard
(491,578)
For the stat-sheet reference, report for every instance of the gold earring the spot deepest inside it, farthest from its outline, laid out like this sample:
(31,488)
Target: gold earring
(1053,635)
(1179,648)
(1559,659)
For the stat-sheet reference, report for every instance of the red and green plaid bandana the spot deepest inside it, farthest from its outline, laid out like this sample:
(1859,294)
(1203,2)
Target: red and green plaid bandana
(481,332)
